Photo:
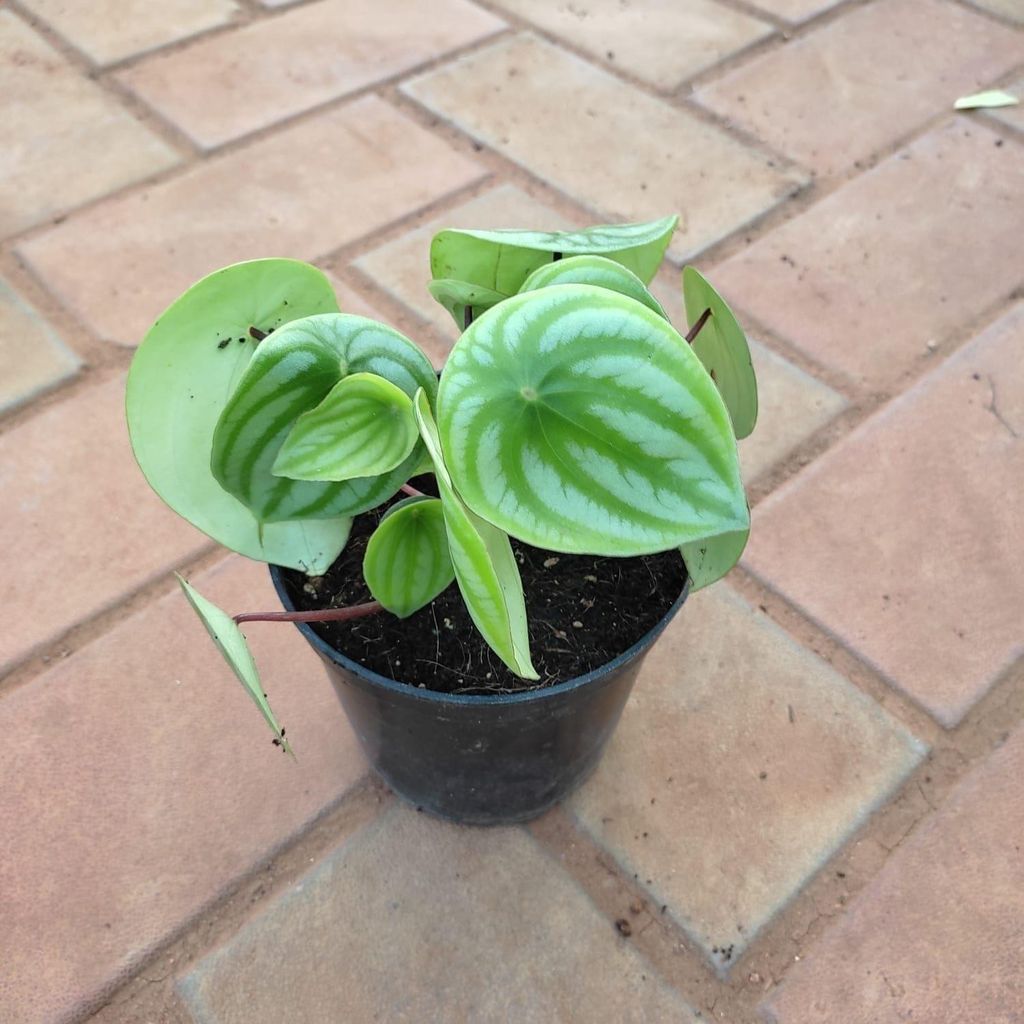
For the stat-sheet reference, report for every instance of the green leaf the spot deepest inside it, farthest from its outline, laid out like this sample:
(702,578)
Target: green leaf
(407,563)
(500,261)
(457,296)
(710,558)
(180,379)
(485,566)
(722,347)
(578,420)
(981,100)
(364,427)
(595,270)
(232,645)
(292,372)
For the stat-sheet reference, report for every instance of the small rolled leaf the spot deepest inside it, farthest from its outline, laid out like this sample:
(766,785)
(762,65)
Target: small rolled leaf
(292,372)
(986,100)
(722,347)
(458,296)
(407,563)
(484,564)
(232,645)
(364,427)
(180,379)
(709,559)
(500,261)
(598,271)
(578,420)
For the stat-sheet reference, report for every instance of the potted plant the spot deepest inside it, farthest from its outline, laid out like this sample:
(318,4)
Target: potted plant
(573,438)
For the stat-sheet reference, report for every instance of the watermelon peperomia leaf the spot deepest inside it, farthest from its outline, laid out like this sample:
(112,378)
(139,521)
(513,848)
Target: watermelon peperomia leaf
(292,372)
(180,380)
(500,261)
(578,420)
(407,563)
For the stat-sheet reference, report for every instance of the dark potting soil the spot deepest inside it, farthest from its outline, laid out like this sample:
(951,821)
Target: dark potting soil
(583,612)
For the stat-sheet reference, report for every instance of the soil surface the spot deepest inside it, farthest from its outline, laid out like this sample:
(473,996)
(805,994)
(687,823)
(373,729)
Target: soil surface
(583,612)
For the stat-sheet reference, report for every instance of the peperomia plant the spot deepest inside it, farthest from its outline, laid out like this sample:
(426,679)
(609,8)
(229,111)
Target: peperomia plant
(570,415)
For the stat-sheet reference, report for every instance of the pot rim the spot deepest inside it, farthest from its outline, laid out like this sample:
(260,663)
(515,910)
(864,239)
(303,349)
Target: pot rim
(325,650)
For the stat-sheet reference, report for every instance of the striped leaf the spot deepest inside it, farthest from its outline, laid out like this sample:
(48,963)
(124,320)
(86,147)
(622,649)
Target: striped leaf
(232,645)
(364,427)
(722,347)
(180,379)
(598,271)
(407,563)
(485,566)
(578,420)
(502,260)
(291,373)
(459,296)
(709,559)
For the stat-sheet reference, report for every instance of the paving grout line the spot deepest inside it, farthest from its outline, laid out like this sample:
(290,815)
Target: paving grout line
(674,956)
(802,921)
(143,997)
(1000,19)
(814,637)
(94,627)
(160,126)
(196,156)
(94,68)
(311,112)
(788,32)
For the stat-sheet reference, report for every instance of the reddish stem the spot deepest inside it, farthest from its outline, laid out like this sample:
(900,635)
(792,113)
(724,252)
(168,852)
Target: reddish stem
(411,491)
(695,329)
(355,611)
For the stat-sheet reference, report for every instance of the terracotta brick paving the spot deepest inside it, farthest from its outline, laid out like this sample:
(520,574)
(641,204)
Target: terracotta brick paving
(790,840)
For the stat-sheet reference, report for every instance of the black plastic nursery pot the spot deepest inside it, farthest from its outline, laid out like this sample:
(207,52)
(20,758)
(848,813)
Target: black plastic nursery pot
(483,760)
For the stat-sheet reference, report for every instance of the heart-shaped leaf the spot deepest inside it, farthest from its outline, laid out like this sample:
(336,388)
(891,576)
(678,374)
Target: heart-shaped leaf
(709,559)
(180,380)
(484,564)
(598,271)
(459,296)
(500,261)
(578,420)
(407,563)
(291,373)
(364,427)
(232,645)
(722,347)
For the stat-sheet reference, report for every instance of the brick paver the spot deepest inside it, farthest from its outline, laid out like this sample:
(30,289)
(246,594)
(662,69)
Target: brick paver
(903,541)
(159,786)
(628,156)
(32,356)
(111,30)
(661,43)
(66,141)
(939,934)
(741,763)
(71,496)
(362,166)
(394,925)
(767,839)
(870,281)
(820,102)
(279,67)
